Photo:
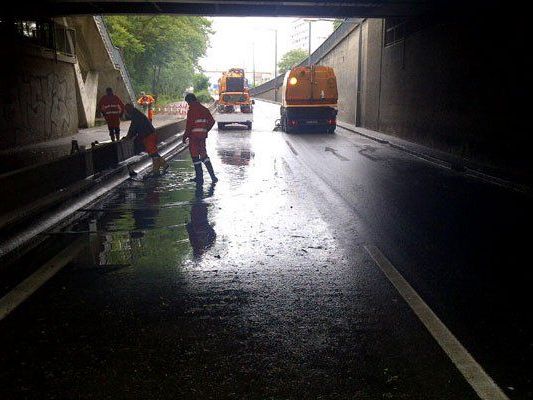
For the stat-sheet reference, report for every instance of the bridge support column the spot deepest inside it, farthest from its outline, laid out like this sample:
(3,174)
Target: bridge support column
(86,91)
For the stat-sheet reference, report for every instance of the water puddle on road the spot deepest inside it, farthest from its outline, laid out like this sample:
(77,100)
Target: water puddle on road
(167,222)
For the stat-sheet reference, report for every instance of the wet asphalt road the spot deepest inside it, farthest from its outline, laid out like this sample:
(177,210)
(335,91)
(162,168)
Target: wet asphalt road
(261,288)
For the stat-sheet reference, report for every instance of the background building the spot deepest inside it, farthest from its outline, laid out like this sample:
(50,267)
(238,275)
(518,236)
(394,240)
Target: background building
(320,31)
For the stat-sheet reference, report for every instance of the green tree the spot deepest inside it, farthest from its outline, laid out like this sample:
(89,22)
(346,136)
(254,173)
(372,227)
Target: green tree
(161,52)
(291,59)
(337,23)
(200,82)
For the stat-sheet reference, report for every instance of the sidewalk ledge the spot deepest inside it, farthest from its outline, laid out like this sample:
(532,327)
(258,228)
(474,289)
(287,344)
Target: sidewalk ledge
(447,160)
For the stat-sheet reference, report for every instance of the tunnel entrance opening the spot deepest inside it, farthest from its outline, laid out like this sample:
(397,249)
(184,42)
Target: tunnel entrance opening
(319,265)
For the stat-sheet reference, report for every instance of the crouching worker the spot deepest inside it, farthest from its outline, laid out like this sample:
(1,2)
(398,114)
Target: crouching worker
(199,123)
(142,128)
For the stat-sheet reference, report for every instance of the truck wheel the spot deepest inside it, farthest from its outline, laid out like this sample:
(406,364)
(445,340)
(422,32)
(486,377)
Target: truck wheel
(331,129)
(221,126)
(249,125)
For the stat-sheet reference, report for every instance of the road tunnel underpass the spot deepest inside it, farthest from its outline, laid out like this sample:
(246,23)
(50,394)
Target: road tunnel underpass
(386,260)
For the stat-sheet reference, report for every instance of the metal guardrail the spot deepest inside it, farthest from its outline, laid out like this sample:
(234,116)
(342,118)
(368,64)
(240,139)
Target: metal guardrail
(54,182)
(115,55)
(326,47)
(54,176)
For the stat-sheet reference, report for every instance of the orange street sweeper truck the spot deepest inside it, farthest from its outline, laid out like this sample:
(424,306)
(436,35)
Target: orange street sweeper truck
(234,103)
(309,99)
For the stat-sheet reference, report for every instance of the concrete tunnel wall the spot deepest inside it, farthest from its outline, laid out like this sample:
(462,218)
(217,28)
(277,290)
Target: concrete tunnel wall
(48,94)
(343,59)
(455,85)
(39,103)
(459,85)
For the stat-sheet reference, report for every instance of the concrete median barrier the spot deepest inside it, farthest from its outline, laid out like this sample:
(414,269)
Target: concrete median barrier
(32,189)
(42,196)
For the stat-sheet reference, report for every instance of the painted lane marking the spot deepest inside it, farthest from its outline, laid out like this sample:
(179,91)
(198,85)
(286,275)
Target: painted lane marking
(336,154)
(292,148)
(474,374)
(30,285)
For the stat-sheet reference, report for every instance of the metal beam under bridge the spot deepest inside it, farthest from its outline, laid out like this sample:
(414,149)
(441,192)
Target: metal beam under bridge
(301,8)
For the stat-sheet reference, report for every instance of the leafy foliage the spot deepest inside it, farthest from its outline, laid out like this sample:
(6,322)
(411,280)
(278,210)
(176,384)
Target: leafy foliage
(291,59)
(337,23)
(203,96)
(161,52)
(200,82)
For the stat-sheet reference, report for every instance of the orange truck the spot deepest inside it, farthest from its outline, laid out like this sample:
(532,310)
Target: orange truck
(309,99)
(235,105)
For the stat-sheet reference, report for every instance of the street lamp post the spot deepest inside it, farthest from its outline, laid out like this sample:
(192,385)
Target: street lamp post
(275,60)
(253,61)
(275,52)
(275,63)
(309,51)
(310,22)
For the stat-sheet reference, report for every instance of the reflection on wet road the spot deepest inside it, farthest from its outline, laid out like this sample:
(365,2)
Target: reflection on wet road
(258,287)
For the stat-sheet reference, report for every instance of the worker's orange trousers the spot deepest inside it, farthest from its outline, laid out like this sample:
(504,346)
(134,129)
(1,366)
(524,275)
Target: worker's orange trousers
(197,147)
(150,144)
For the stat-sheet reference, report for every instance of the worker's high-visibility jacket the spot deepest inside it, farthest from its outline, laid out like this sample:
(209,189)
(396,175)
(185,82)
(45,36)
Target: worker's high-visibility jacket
(147,102)
(111,108)
(199,123)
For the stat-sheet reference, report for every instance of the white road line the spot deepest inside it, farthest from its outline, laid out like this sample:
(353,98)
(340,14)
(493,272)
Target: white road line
(291,147)
(480,381)
(27,287)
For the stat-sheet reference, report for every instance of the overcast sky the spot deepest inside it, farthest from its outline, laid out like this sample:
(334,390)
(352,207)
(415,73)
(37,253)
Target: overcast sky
(235,37)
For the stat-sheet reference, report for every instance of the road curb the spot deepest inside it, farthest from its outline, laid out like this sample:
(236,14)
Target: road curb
(448,161)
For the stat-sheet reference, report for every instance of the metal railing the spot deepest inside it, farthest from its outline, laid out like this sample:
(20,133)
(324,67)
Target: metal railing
(46,33)
(115,55)
(65,40)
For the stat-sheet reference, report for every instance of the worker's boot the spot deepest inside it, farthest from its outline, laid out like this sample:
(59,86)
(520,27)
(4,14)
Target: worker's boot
(156,165)
(209,167)
(199,178)
(164,164)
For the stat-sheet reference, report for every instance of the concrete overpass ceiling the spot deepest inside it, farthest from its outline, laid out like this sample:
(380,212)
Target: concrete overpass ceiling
(300,8)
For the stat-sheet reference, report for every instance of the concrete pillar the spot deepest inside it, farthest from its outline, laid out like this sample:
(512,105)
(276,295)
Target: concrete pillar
(371,59)
(86,91)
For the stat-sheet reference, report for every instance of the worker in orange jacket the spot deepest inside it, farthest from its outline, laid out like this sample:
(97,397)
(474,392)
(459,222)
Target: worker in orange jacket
(143,129)
(112,109)
(199,123)
(146,101)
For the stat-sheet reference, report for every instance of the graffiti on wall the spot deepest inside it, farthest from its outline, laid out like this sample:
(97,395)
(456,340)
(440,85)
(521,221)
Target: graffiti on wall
(42,106)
